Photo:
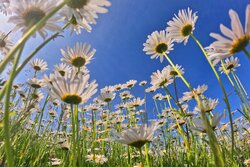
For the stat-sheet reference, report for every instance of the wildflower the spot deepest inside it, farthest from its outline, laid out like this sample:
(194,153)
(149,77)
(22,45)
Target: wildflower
(55,162)
(36,83)
(182,26)
(208,105)
(5,43)
(131,83)
(39,65)
(190,95)
(142,83)
(136,102)
(73,89)
(138,136)
(235,39)
(173,72)
(99,159)
(161,78)
(201,127)
(106,96)
(62,68)
(27,13)
(78,56)
(247,162)
(158,44)
(82,13)
(230,64)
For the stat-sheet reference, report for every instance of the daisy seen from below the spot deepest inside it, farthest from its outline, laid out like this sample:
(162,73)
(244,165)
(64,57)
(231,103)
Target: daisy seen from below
(234,40)
(201,127)
(27,13)
(78,56)
(229,64)
(182,25)
(137,136)
(73,89)
(82,13)
(158,44)
(39,65)
(5,43)
(161,78)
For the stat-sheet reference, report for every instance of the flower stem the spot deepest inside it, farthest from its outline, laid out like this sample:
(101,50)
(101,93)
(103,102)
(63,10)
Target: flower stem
(10,160)
(73,152)
(147,156)
(246,52)
(141,156)
(223,90)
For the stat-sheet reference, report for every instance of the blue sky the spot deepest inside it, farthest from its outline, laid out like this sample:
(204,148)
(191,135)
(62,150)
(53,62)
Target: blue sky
(119,36)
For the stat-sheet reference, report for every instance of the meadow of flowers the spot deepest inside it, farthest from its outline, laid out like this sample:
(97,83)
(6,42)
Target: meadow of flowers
(60,117)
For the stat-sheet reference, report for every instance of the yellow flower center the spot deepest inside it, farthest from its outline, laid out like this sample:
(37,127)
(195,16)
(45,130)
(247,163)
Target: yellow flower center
(32,16)
(78,61)
(186,30)
(37,68)
(72,99)
(239,44)
(62,72)
(2,43)
(138,144)
(230,66)
(77,4)
(161,48)
(36,86)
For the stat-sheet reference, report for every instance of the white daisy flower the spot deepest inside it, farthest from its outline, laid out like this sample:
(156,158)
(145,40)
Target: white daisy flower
(36,83)
(98,159)
(62,68)
(201,127)
(173,72)
(208,105)
(73,89)
(39,65)
(158,44)
(230,64)
(5,43)
(161,78)
(106,96)
(131,83)
(182,26)
(82,13)
(234,40)
(78,56)
(27,13)
(136,102)
(138,136)
(142,83)
(190,95)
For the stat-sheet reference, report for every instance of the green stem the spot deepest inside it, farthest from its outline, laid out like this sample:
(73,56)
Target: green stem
(41,116)
(28,34)
(147,156)
(73,151)
(10,160)
(141,156)
(223,90)
(219,162)
(246,52)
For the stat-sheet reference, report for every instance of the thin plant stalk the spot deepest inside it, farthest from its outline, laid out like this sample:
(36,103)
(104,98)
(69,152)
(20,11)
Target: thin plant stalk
(223,90)
(10,159)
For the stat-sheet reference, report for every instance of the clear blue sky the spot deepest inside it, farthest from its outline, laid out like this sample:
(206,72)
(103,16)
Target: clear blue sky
(119,36)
